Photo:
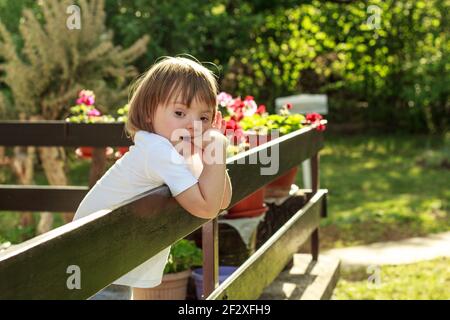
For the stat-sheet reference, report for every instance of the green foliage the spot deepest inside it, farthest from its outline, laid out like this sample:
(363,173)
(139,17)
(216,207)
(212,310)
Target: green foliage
(184,254)
(267,123)
(123,113)
(395,75)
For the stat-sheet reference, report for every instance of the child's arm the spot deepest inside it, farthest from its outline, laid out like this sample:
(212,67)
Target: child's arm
(205,199)
(227,193)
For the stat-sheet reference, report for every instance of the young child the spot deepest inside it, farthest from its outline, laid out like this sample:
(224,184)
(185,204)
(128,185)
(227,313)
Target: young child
(173,121)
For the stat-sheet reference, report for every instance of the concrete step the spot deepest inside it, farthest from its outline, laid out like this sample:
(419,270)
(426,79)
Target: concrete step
(306,280)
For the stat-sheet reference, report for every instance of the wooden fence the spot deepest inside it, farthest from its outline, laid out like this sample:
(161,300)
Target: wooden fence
(106,245)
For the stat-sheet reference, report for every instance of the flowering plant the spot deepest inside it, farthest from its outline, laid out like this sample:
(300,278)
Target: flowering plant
(236,109)
(314,118)
(233,150)
(284,121)
(85,111)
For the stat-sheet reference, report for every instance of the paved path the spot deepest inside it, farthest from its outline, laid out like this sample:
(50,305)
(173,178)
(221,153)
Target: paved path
(394,252)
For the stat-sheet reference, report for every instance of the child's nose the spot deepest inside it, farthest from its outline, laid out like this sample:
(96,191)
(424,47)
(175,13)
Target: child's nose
(194,125)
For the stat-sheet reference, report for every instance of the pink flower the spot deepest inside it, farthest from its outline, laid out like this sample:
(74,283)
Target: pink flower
(321,127)
(93,113)
(250,107)
(289,106)
(86,97)
(261,109)
(224,99)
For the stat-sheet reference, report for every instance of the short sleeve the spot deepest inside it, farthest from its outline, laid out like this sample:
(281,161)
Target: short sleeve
(165,162)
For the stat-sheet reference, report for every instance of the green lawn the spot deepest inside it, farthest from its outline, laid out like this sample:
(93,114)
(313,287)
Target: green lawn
(423,280)
(378,190)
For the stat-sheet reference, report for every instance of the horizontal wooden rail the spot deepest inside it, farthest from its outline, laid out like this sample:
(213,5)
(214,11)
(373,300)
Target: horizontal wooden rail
(249,281)
(61,133)
(41,198)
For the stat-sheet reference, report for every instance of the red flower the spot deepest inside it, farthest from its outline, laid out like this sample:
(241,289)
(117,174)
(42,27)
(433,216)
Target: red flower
(238,115)
(249,98)
(261,109)
(312,117)
(321,127)
(289,106)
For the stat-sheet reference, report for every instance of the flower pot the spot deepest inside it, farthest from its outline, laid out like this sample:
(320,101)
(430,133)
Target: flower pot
(86,152)
(251,206)
(121,151)
(281,186)
(172,287)
(197,274)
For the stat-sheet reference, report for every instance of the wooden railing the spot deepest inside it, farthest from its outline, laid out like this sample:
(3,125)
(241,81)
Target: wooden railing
(106,245)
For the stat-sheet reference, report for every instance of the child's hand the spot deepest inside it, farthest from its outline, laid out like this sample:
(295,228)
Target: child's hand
(219,123)
(216,132)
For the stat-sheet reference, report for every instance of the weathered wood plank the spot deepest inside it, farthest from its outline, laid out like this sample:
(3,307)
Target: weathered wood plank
(249,281)
(41,198)
(61,133)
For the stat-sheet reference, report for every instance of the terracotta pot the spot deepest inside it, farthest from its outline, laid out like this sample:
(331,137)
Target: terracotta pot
(172,287)
(251,206)
(121,151)
(282,185)
(86,152)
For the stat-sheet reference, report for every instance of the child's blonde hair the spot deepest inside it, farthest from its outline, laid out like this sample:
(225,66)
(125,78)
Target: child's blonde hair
(185,78)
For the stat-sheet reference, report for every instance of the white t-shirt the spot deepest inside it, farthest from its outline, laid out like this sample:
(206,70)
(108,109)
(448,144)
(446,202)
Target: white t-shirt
(151,162)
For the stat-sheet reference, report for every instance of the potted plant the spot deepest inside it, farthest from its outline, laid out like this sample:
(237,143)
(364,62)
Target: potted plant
(86,112)
(184,255)
(261,125)
(234,110)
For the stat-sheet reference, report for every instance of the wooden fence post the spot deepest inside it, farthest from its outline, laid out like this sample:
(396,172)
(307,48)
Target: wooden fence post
(210,245)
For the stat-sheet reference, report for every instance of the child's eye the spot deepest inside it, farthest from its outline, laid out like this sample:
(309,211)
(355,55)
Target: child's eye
(179,113)
(204,118)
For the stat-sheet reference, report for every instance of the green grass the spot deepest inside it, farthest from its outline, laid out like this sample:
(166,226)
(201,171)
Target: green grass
(378,191)
(423,280)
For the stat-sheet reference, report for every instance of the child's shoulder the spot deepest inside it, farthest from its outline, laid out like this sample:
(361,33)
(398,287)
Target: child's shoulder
(149,138)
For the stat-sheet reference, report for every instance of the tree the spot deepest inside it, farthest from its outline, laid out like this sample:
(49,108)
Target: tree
(56,62)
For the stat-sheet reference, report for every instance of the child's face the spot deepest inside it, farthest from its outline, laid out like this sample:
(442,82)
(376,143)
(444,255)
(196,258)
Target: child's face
(170,118)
